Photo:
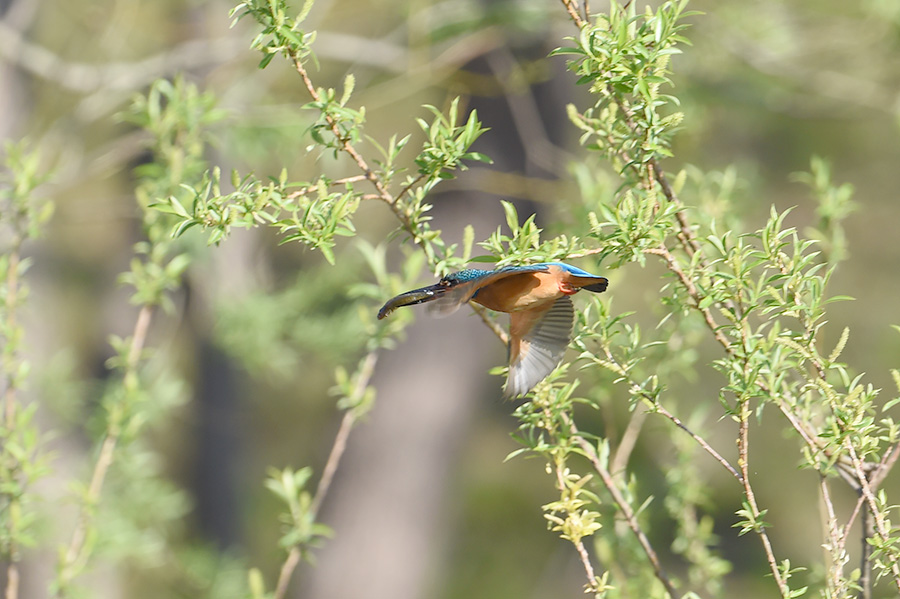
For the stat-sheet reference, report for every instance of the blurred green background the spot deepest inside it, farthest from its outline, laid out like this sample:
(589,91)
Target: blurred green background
(424,505)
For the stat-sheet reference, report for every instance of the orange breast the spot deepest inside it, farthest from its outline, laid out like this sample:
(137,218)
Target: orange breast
(520,292)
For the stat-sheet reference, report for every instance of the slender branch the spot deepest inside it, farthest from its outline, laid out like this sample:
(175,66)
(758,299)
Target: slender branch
(10,415)
(572,9)
(686,235)
(558,464)
(12,580)
(337,451)
(700,441)
(656,406)
(343,142)
(882,528)
(406,189)
(884,467)
(340,441)
(338,447)
(627,444)
(287,570)
(865,555)
(689,286)
(586,563)
(312,188)
(585,253)
(623,505)
(744,463)
(490,323)
(105,457)
(834,544)
(875,479)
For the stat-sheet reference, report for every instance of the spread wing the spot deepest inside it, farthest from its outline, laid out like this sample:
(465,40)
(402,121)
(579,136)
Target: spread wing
(540,349)
(448,301)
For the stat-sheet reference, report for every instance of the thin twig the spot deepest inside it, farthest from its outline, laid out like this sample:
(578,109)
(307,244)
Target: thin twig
(875,479)
(382,192)
(884,466)
(689,286)
(572,9)
(835,543)
(491,323)
(331,465)
(744,463)
(586,563)
(342,140)
(865,555)
(10,414)
(656,406)
(12,293)
(287,570)
(12,579)
(334,457)
(628,442)
(881,527)
(312,188)
(623,505)
(579,545)
(107,453)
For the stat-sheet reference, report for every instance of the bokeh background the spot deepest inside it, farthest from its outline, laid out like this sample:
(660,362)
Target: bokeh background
(424,504)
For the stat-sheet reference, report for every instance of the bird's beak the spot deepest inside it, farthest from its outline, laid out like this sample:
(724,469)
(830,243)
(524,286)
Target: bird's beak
(416,296)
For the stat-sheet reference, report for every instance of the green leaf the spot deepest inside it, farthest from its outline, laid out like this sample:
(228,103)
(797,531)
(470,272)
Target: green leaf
(484,259)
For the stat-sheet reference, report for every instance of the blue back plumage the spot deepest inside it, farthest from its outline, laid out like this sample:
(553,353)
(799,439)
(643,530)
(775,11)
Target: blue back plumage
(466,275)
(464,285)
(572,269)
(473,274)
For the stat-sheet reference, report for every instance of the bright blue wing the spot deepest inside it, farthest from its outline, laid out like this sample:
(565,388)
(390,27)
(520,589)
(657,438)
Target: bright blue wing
(466,283)
(542,348)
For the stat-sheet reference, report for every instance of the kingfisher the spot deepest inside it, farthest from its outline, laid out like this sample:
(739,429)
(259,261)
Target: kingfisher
(537,299)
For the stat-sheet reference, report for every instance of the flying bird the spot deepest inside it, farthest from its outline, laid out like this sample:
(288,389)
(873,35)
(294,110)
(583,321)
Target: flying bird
(536,296)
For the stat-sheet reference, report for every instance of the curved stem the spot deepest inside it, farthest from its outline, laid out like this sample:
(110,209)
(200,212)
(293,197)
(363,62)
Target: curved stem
(623,505)
(331,465)
(759,529)
(75,552)
(10,412)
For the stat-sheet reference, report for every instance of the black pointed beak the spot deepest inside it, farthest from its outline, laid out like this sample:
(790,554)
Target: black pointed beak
(598,287)
(410,298)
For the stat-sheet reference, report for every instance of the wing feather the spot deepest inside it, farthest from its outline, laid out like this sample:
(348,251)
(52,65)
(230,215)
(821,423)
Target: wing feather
(541,349)
(449,301)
